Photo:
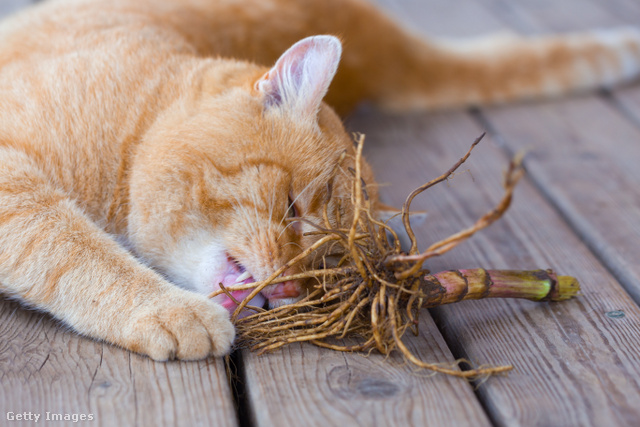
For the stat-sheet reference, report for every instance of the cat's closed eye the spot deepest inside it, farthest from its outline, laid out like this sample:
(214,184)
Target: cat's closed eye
(292,209)
(158,131)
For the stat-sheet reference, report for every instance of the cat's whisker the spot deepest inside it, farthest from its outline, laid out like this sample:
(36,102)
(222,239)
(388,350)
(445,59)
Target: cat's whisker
(292,243)
(284,229)
(313,181)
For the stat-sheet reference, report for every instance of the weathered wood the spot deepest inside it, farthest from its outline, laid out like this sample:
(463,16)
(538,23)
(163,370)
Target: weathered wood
(44,368)
(305,385)
(467,18)
(627,99)
(561,351)
(548,16)
(584,150)
(584,157)
(576,362)
(48,371)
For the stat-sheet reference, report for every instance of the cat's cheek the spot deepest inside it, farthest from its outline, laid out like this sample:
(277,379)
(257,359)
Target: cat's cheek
(197,264)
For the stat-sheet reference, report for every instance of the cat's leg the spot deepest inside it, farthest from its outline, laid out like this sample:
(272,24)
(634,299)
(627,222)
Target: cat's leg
(54,258)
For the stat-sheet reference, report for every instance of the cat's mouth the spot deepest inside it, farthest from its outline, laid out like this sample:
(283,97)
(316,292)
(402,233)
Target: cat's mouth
(237,274)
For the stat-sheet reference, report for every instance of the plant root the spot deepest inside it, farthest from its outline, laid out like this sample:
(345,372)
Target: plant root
(376,291)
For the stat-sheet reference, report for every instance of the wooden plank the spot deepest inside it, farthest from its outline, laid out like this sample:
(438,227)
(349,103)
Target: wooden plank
(50,372)
(575,362)
(545,16)
(302,384)
(305,385)
(589,146)
(45,369)
(627,99)
(584,156)
(431,18)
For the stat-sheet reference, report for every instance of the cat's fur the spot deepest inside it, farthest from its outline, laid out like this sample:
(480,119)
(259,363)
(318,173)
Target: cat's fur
(135,155)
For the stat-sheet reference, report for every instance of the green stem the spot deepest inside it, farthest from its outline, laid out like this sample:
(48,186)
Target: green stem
(451,286)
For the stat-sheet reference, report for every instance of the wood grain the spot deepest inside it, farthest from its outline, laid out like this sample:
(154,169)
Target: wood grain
(576,363)
(584,150)
(44,368)
(305,385)
(468,18)
(627,99)
(47,369)
(591,175)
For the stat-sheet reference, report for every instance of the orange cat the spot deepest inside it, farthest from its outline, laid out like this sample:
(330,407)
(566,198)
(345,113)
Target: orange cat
(136,156)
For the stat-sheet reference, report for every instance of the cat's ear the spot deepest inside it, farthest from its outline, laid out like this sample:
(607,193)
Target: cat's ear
(301,77)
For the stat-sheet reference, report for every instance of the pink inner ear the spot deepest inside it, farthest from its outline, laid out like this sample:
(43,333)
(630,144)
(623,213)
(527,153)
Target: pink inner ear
(272,97)
(301,77)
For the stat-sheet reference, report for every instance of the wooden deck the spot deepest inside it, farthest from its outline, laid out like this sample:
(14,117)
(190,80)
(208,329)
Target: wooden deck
(577,363)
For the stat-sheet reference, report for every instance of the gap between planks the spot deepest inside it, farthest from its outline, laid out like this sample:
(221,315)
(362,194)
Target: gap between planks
(566,340)
(538,338)
(606,134)
(45,367)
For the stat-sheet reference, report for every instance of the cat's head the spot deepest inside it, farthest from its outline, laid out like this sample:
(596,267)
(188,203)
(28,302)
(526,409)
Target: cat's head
(219,178)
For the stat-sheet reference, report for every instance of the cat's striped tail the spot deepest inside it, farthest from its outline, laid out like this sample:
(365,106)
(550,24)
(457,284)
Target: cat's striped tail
(505,68)
(385,63)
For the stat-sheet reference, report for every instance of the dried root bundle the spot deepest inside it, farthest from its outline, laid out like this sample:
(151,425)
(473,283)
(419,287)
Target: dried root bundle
(376,291)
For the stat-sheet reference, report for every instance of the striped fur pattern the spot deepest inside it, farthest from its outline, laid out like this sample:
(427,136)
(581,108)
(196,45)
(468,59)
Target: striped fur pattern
(149,153)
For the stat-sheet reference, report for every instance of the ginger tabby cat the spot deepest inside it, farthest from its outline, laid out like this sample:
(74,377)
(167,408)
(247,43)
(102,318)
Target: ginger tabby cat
(147,154)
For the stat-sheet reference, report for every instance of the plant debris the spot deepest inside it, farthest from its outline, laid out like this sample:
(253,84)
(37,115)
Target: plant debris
(376,291)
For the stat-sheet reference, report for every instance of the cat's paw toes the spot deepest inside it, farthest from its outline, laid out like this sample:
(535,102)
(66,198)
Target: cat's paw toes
(184,327)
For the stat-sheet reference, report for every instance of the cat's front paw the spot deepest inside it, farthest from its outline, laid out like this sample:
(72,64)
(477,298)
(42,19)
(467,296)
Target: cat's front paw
(181,325)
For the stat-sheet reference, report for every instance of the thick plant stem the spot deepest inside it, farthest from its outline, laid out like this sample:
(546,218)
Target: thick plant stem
(376,291)
(457,285)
